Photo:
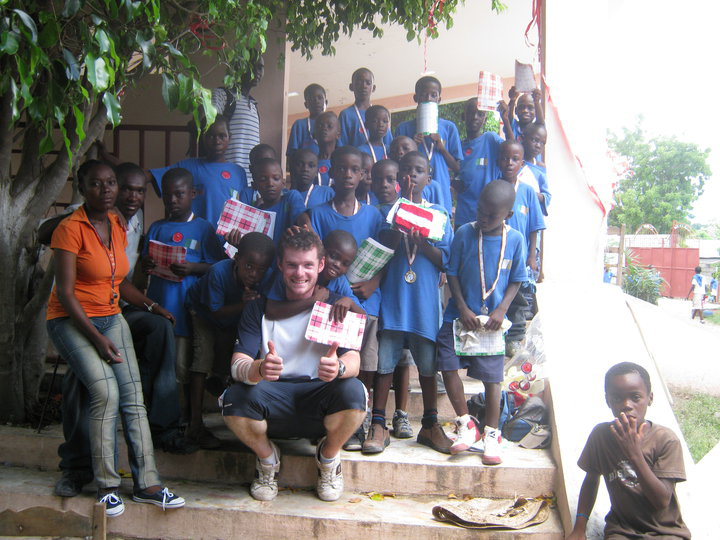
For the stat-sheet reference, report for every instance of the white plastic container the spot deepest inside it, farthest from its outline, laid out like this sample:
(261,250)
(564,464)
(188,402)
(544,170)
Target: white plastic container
(427,118)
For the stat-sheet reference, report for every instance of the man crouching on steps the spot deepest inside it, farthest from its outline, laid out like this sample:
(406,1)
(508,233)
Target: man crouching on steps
(293,387)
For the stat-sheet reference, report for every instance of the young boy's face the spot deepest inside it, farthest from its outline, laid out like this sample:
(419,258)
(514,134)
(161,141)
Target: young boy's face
(510,160)
(366,178)
(177,196)
(315,102)
(415,168)
(346,170)
(263,153)
(401,146)
(378,124)
(327,129)
(628,394)
(534,141)
(304,169)
(525,109)
(269,182)
(474,118)
(250,268)
(131,194)
(384,183)
(491,216)
(216,140)
(338,258)
(362,85)
(428,91)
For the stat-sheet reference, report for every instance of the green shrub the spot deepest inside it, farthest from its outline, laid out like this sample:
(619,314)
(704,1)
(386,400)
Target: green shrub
(641,281)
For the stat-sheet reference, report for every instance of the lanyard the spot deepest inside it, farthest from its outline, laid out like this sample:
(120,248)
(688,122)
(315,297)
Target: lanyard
(372,151)
(356,208)
(367,198)
(410,253)
(430,151)
(111,258)
(307,197)
(486,293)
(364,129)
(192,216)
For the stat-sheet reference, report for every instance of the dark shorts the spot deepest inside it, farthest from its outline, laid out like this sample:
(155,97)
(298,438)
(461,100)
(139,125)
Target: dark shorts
(488,369)
(294,409)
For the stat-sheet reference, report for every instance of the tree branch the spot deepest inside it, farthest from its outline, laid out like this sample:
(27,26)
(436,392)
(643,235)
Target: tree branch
(41,295)
(31,165)
(6,133)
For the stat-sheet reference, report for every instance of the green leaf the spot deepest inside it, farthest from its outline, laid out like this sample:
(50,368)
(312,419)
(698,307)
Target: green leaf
(90,70)
(60,117)
(72,70)
(71,8)
(49,35)
(47,143)
(9,42)
(14,100)
(208,107)
(102,74)
(103,41)
(29,23)
(170,91)
(79,121)
(113,108)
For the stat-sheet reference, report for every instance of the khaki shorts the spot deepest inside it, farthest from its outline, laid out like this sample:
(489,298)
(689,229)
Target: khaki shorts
(212,347)
(369,351)
(183,359)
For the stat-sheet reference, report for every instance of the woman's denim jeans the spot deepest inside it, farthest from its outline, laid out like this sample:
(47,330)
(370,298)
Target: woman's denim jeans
(113,388)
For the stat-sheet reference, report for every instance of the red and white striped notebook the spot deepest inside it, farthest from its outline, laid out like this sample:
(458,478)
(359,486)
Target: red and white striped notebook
(406,216)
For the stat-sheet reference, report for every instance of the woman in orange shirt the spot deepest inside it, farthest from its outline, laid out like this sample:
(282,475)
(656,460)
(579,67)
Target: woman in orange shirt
(87,328)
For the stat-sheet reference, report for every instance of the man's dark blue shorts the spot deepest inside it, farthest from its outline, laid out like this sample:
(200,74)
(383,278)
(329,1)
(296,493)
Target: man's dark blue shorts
(294,409)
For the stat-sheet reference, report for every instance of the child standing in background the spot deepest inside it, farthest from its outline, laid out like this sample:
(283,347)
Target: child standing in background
(364,193)
(400,146)
(352,119)
(377,124)
(527,108)
(443,149)
(327,132)
(697,289)
(301,133)
(534,173)
(304,177)
(182,228)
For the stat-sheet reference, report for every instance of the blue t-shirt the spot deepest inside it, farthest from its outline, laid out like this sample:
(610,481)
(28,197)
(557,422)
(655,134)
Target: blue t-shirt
(315,195)
(414,307)
(451,138)
(218,288)
(380,150)
(384,209)
(301,135)
(464,264)
(370,198)
(215,183)
(477,169)
(287,210)
(540,174)
(365,224)
(527,215)
(433,192)
(324,172)
(202,244)
(352,131)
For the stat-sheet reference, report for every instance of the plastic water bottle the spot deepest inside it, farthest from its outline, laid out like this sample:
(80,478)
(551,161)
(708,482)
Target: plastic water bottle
(427,118)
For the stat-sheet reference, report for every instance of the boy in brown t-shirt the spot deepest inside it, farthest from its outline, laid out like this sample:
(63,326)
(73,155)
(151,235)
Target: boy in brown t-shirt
(640,461)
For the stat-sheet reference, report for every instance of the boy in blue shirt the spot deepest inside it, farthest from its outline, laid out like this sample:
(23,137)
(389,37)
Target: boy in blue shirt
(215,303)
(400,146)
(363,192)
(215,179)
(352,119)
(301,133)
(304,177)
(486,268)
(479,165)
(410,313)
(528,109)
(182,228)
(533,172)
(443,149)
(269,182)
(327,132)
(346,213)
(527,218)
(384,177)
(377,124)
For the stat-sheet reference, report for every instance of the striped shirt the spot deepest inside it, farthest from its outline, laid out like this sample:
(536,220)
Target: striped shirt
(244,128)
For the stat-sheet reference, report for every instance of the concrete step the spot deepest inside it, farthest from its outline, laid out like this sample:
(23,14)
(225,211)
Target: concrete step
(405,467)
(28,507)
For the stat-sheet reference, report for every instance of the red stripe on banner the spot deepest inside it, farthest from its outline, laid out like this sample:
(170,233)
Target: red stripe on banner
(536,9)
(566,140)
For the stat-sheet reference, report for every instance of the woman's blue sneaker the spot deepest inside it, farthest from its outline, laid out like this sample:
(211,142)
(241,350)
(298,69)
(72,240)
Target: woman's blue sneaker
(163,498)
(113,503)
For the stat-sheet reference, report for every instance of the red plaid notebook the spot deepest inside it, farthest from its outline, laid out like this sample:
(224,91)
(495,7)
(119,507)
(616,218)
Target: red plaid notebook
(347,334)
(245,218)
(164,255)
(490,91)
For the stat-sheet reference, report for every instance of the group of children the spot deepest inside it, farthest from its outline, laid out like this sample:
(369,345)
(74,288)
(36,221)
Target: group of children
(345,174)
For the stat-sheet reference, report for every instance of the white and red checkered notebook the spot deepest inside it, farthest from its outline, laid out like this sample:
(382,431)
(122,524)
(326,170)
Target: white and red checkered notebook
(347,334)
(164,255)
(490,91)
(245,218)
(407,216)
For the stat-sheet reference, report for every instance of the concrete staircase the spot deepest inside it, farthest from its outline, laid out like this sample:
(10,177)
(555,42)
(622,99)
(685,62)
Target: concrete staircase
(410,479)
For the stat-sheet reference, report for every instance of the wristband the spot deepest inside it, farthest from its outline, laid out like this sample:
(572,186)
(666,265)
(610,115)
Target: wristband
(580,514)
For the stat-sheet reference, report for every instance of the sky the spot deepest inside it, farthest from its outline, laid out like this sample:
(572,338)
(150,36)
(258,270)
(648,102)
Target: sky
(663,59)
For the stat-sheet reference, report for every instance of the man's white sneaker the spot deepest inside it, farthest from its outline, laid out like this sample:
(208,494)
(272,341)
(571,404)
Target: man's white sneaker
(467,434)
(330,480)
(493,440)
(264,487)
